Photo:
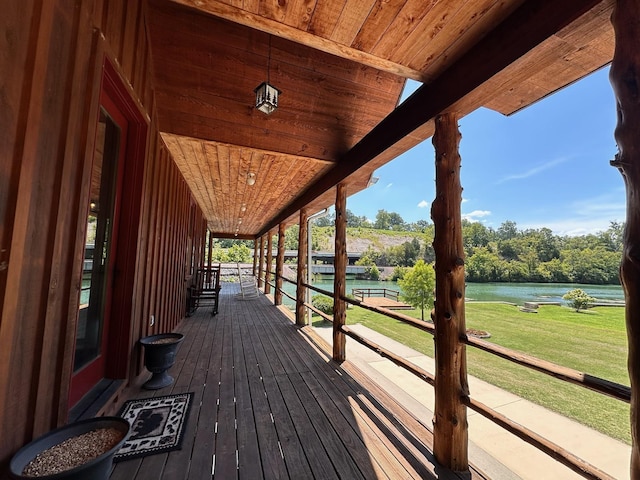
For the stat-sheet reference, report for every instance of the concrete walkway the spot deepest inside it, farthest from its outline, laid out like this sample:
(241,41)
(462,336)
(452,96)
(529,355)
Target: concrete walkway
(498,453)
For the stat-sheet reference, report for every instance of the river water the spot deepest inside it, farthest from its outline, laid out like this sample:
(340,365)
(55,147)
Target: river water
(506,292)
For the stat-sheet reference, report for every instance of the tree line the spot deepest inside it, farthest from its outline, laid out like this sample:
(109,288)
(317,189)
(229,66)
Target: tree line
(505,254)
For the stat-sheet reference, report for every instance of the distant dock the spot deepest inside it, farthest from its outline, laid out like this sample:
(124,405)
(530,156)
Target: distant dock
(380,297)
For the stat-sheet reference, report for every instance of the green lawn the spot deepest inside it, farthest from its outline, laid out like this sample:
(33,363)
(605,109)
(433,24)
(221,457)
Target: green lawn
(593,342)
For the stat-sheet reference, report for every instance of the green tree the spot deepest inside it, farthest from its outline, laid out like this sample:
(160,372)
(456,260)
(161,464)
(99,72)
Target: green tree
(354,220)
(369,257)
(322,303)
(546,244)
(507,230)
(553,271)
(417,286)
(475,235)
(592,265)
(484,266)
(612,237)
(373,273)
(398,273)
(419,226)
(508,249)
(383,220)
(326,221)
(397,222)
(291,237)
(239,254)
(578,299)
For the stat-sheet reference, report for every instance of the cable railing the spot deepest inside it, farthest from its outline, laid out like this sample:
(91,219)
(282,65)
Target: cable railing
(584,380)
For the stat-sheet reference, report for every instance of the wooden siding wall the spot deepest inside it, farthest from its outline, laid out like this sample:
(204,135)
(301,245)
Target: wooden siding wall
(51,57)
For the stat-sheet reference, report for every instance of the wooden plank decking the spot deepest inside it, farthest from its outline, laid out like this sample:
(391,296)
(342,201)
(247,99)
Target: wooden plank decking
(388,303)
(269,403)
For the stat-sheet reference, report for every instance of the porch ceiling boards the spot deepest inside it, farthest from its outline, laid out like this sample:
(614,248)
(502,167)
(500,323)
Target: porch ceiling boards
(269,404)
(341,66)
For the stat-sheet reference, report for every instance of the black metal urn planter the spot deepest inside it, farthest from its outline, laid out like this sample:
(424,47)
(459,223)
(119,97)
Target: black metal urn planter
(159,356)
(80,450)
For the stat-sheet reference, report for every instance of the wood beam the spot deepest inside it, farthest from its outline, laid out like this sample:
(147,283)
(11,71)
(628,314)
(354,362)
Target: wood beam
(625,80)
(303,246)
(273,27)
(450,429)
(529,25)
(339,282)
(279,265)
(232,236)
(268,266)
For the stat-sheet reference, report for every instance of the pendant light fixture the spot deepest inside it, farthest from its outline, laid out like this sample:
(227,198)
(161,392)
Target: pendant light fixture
(267,94)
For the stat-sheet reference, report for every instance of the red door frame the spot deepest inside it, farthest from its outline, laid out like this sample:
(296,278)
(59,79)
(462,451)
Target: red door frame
(118,337)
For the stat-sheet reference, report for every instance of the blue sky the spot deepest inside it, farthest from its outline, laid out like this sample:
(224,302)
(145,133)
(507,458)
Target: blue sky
(545,166)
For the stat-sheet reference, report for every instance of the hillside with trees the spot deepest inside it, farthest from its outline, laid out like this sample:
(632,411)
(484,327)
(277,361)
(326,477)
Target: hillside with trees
(506,254)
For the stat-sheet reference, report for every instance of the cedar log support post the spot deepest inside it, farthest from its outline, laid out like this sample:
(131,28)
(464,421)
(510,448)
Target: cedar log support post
(260,261)
(279,265)
(255,256)
(625,78)
(269,266)
(340,267)
(450,416)
(301,290)
(209,249)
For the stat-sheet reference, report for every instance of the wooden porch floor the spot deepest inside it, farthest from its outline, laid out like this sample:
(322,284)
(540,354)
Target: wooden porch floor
(268,403)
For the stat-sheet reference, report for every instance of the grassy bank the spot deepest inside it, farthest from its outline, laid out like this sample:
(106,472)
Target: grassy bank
(593,342)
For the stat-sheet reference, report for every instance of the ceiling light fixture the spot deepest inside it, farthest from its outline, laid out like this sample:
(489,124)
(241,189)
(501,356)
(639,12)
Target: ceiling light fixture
(251,178)
(267,94)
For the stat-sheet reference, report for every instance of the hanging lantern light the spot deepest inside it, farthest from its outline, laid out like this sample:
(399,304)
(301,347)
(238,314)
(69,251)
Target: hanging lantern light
(267,94)
(266,98)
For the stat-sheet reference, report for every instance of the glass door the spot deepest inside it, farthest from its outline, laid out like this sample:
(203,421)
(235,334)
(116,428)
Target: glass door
(100,252)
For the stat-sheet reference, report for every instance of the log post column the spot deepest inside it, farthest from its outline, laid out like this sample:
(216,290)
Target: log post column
(279,265)
(209,249)
(269,266)
(340,268)
(255,256)
(260,261)
(303,246)
(625,78)
(450,416)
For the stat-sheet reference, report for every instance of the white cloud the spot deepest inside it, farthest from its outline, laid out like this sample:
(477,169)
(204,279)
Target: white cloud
(465,200)
(533,171)
(582,217)
(475,215)
(388,185)
(423,204)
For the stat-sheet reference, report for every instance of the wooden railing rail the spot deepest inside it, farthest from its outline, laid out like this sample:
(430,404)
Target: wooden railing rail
(555,451)
(425,326)
(328,318)
(290,297)
(398,360)
(584,380)
(600,385)
(414,322)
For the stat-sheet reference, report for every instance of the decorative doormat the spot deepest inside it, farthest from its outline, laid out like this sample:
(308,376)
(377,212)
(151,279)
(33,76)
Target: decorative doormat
(157,425)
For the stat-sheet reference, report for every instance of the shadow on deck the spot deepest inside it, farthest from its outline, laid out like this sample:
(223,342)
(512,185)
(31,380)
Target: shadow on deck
(269,403)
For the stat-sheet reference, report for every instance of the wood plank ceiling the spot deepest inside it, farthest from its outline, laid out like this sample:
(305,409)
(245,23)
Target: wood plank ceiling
(341,66)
